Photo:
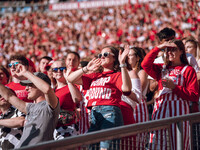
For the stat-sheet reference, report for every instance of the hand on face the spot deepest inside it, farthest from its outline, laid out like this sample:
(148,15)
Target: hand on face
(21,70)
(94,64)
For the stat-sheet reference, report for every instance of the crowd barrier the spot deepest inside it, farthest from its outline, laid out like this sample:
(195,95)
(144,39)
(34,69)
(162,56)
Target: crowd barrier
(82,142)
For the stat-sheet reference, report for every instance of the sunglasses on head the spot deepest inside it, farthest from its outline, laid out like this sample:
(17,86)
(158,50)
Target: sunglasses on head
(60,68)
(13,64)
(106,54)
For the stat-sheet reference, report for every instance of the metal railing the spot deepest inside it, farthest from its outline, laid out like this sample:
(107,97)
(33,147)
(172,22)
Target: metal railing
(79,142)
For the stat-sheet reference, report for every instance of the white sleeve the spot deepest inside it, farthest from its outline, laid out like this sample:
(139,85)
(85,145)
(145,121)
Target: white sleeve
(137,88)
(192,62)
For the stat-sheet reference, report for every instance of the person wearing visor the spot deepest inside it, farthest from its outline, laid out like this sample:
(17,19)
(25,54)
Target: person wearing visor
(42,115)
(177,86)
(67,122)
(105,89)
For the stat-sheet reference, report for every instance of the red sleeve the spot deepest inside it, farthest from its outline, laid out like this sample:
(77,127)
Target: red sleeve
(190,90)
(154,70)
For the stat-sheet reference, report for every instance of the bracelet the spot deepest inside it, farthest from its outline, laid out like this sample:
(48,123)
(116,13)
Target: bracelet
(87,68)
(123,65)
(127,93)
(83,70)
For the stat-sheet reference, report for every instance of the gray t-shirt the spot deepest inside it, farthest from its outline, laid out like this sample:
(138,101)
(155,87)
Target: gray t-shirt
(41,121)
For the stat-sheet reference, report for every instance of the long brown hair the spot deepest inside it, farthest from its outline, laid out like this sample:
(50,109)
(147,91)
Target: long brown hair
(115,51)
(181,47)
(141,54)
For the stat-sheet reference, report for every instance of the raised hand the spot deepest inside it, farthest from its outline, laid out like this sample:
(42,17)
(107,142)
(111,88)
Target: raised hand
(166,44)
(94,64)
(21,70)
(67,72)
(123,55)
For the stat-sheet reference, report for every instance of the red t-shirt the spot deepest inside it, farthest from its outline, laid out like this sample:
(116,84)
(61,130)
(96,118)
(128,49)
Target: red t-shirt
(65,98)
(104,88)
(20,91)
(66,102)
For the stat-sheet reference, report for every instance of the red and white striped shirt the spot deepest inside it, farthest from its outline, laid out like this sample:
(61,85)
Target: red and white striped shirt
(169,102)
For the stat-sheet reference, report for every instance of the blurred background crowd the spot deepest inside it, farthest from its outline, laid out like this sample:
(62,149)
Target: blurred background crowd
(86,31)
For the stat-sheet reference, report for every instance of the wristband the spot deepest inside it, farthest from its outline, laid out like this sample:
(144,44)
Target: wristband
(123,65)
(127,93)
(83,70)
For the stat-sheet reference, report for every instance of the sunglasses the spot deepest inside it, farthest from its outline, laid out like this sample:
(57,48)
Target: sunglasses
(172,49)
(106,54)
(30,85)
(13,64)
(56,69)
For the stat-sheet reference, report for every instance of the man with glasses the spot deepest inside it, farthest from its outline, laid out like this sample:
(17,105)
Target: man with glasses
(42,115)
(15,85)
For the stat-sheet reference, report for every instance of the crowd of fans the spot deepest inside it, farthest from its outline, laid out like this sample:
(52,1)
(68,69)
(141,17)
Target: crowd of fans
(94,61)
(86,31)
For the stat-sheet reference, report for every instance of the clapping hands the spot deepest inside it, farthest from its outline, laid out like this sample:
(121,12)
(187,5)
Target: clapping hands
(123,55)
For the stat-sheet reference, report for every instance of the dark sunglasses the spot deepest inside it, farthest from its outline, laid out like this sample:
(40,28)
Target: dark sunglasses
(56,69)
(13,64)
(172,49)
(106,54)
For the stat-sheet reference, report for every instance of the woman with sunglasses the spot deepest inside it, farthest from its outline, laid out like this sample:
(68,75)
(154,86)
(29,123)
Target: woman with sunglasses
(67,119)
(177,85)
(105,89)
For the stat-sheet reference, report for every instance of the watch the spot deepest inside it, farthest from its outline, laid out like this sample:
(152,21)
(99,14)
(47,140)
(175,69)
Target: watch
(122,65)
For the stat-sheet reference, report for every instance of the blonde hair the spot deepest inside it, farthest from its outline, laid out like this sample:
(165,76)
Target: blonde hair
(196,44)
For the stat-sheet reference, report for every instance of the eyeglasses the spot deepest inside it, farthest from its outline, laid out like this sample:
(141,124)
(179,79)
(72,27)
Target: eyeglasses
(13,64)
(106,54)
(56,69)
(172,49)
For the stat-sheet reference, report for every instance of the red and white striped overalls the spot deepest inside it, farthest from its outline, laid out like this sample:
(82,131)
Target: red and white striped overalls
(169,105)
